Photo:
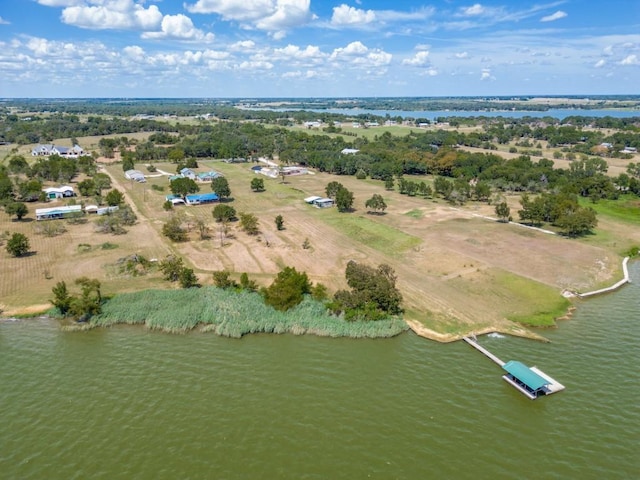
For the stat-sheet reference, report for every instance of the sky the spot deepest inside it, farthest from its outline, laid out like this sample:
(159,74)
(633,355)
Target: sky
(317,48)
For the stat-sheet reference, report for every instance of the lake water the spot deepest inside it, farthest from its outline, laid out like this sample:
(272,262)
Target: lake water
(559,113)
(128,403)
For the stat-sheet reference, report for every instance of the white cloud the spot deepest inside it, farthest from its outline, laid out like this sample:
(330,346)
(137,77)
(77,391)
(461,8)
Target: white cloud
(554,16)
(419,60)
(486,75)
(254,65)
(4,22)
(113,14)
(600,63)
(269,15)
(299,74)
(293,52)
(181,27)
(346,15)
(134,52)
(354,48)
(473,10)
(59,3)
(357,54)
(462,55)
(630,60)
(243,45)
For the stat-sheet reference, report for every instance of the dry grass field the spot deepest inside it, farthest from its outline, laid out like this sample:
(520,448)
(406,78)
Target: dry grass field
(458,272)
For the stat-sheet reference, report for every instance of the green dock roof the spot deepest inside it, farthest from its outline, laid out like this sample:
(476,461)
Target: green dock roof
(523,373)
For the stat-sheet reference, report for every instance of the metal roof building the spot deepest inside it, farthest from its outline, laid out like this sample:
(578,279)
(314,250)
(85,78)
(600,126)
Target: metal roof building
(200,198)
(525,379)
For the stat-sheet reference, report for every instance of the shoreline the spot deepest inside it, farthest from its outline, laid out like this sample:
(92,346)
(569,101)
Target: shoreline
(517,330)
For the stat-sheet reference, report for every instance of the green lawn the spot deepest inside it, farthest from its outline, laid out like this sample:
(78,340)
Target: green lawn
(625,209)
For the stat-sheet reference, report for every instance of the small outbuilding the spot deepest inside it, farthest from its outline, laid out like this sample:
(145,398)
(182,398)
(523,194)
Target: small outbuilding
(135,175)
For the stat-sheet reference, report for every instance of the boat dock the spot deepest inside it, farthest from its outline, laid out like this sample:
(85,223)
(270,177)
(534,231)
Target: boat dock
(531,381)
(483,350)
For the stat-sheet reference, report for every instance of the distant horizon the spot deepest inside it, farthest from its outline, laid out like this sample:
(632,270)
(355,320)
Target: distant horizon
(317,49)
(585,96)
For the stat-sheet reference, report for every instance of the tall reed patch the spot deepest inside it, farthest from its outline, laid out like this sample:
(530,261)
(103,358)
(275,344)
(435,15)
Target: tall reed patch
(233,314)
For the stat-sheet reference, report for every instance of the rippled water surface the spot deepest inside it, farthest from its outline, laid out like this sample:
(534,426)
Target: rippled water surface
(128,403)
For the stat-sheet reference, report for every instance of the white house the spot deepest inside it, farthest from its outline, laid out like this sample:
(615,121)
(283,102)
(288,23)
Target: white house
(188,173)
(59,192)
(349,151)
(51,149)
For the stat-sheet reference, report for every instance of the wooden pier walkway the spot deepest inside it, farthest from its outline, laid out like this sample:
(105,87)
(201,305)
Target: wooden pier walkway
(486,352)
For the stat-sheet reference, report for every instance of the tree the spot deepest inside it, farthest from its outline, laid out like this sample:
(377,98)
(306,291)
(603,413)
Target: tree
(184,186)
(61,298)
(249,223)
(203,228)
(344,200)
(167,205)
(577,222)
(188,278)
(287,290)
(89,302)
(174,230)
(128,162)
(87,187)
(388,183)
(224,213)
(102,181)
(222,279)
(257,184)
(18,209)
(482,191)
(220,186)
(503,212)
(373,292)
(247,284)
(18,164)
(375,203)
(6,186)
(332,189)
(279,222)
(18,245)
(171,267)
(114,197)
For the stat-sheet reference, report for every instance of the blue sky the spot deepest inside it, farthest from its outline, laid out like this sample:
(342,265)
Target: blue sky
(317,48)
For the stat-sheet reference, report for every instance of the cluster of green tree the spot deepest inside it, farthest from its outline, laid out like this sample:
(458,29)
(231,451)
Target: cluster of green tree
(559,209)
(41,129)
(222,279)
(373,293)
(81,306)
(174,270)
(342,197)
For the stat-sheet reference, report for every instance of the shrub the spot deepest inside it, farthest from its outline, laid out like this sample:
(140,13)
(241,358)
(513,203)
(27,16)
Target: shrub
(18,245)
(173,229)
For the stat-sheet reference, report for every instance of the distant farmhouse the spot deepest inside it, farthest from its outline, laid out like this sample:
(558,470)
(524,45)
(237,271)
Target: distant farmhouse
(202,177)
(51,149)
